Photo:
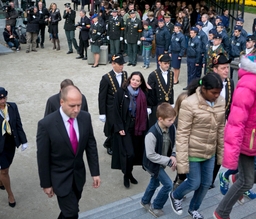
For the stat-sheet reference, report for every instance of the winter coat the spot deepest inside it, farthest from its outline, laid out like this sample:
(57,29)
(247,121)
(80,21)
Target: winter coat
(148,34)
(200,130)
(240,129)
(33,23)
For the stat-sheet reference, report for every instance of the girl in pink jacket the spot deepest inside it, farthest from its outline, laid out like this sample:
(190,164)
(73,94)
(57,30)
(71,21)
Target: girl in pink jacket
(240,145)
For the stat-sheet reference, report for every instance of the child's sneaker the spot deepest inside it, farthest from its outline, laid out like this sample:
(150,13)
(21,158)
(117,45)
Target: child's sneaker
(146,206)
(195,214)
(156,212)
(224,184)
(176,204)
(145,67)
(250,194)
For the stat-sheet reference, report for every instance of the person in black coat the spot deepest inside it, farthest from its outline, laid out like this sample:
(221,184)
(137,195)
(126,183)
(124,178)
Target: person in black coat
(11,37)
(85,2)
(32,29)
(84,26)
(130,125)
(12,136)
(109,85)
(69,27)
(63,137)
(53,102)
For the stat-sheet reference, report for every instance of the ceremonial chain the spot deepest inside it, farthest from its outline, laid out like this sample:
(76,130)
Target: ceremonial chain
(229,93)
(112,82)
(161,86)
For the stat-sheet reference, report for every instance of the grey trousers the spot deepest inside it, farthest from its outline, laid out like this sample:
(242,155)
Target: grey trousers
(114,47)
(71,39)
(31,40)
(244,182)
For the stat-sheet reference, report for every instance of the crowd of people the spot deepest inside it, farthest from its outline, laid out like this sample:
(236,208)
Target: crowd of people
(212,124)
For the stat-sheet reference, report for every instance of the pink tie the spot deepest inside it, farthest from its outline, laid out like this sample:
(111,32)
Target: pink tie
(72,135)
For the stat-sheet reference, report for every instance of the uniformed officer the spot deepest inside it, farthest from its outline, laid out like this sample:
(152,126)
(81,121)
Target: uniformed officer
(204,40)
(69,27)
(115,32)
(109,85)
(250,46)
(237,43)
(177,50)
(95,33)
(240,22)
(163,38)
(161,82)
(133,31)
(215,49)
(168,23)
(225,39)
(193,55)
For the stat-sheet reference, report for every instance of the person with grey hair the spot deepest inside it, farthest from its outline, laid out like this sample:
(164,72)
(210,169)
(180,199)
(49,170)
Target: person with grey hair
(207,24)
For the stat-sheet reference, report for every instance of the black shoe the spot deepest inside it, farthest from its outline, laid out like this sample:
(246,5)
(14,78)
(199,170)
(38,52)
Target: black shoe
(69,52)
(129,64)
(79,57)
(95,66)
(42,46)
(126,182)
(85,58)
(2,188)
(185,88)
(109,151)
(133,180)
(133,64)
(37,46)
(12,204)
(176,82)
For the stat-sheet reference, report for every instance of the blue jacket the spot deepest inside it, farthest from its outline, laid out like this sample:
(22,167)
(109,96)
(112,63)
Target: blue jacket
(149,166)
(204,40)
(194,49)
(178,44)
(148,34)
(237,45)
(225,40)
(225,21)
(163,37)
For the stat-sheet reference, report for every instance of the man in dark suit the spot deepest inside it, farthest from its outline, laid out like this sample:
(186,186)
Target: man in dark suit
(84,26)
(62,138)
(109,85)
(53,103)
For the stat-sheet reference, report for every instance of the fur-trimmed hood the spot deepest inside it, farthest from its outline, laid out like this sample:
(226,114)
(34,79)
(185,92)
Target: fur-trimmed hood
(247,64)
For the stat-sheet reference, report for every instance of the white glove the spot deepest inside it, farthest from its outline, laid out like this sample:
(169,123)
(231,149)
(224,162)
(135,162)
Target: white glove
(125,41)
(121,38)
(102,118)
(107,37)
(24,146)
(91,40)
(139,42)
(149,111)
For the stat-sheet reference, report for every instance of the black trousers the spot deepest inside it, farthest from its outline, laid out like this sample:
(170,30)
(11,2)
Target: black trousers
(83,44)
(41,33)
(69,204)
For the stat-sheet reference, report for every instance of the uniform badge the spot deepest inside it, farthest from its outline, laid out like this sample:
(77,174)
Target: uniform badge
(238,44)
(192,44)
(94,31)
(177,39)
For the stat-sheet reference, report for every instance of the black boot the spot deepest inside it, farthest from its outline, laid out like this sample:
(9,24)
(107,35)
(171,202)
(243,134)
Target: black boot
(132,179)
(126,182)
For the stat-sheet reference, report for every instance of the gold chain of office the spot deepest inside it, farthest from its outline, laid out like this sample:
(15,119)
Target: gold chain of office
(166,94)
(229,93)
(112,82)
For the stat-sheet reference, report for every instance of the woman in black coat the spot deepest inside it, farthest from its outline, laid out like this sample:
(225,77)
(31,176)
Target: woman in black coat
(131,125)
(12,135)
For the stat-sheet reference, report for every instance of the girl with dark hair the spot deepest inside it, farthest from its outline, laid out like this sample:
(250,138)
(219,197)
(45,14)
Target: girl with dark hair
(199,137)
(131,125)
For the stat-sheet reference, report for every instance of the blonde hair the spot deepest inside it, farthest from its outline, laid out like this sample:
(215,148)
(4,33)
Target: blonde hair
(179,99)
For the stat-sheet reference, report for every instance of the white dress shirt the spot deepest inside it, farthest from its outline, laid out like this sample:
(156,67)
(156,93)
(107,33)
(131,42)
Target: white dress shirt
(223,91)
(67,124)
(119,78)
(165,74)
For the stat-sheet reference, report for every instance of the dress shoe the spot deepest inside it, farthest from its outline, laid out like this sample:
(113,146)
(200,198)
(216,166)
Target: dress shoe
(109,151)
(27,51)
(85,58)
(34,50)
(12,204)
(133,64)
(79,57)
(129,64)
(42,46)
(133,180)
(95,66)
(126,182)
(2,188)
(37,46)
(69,52)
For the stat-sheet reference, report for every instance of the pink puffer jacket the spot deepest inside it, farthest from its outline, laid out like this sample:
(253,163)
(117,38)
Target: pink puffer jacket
(239,135)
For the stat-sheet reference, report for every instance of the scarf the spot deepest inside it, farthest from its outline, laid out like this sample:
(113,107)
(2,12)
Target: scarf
(132,95)
(5,124)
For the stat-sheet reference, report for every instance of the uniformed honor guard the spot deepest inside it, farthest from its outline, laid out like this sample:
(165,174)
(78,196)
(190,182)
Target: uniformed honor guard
(161,82)
(193,55)
(215,49)
(133,32)
(109,85)
(177,50)
(250,46)
(168,23)
(115,32)
(69,27)
(240,22)
(225,39)
(96,31)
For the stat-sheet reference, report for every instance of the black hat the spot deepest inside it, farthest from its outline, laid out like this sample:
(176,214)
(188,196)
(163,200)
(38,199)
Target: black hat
(195,29)
(220,24)
(237,27)
(217,36)
(3,92)
(213,31)
(200,23)
(178,24)
(240,19)
(67,5)
(219,17)
(219,59)
(131,12)
(161,20)
(119,59)
(250,38)
(164,58)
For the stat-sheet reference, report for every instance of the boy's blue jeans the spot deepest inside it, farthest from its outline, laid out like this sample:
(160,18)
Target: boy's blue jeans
(146,52)
(162,195)
(199,180)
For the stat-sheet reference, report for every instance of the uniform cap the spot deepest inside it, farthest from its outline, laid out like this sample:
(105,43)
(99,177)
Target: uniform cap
(195,29)
(237,27)
(114,10)
(240,19)
(94,16)
(217,36)
(131,12)
(3,92)
(250,38)
(119,59)
(200,23)
(219,17)
(177,24)
(220,24)
(164,58)
(167,15)
(219,59)
(67,5)
(213,31)
(161,20)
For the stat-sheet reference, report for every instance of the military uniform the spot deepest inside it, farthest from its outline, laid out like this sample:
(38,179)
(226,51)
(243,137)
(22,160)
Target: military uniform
(225,40)
(204,40)
(115,32)
(84,36)
(170,27)
(237,45)
(95,33)
(133,32)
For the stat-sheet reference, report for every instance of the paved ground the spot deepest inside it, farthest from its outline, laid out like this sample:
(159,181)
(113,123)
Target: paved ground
(30,79)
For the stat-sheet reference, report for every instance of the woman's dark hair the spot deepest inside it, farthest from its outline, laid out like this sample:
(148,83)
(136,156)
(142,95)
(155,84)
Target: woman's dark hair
(209,81)
(143,85)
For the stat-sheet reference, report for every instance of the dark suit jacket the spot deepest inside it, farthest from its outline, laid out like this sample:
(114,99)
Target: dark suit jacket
(106,99)
(53,104)
(84,31)
(16,126)
(58,166)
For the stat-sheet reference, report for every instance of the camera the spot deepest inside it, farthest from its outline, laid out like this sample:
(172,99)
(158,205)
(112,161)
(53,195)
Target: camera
(7,7)
(30,9)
